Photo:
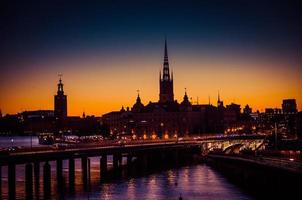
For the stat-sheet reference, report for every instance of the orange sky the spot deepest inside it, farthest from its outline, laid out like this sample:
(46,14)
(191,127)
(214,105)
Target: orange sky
(98,85)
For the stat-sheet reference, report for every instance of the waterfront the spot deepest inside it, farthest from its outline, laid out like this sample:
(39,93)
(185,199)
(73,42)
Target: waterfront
(193,182)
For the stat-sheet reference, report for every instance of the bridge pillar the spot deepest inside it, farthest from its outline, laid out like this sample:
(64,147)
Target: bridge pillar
(129,159)
(0,182)
(88,169)
(47,180)
(175,157)
(84,169)
(120,160)
(59,172)
(142,161)
(115,161)
(29,181)
(103,164)
(11,181)
(37,178)
(71,173)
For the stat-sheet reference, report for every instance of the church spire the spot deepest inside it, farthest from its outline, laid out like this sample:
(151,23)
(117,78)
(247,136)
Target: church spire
(166,81)
(166,73)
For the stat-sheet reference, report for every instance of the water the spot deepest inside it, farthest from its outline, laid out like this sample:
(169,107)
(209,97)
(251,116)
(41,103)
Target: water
(192,182)
(26,141)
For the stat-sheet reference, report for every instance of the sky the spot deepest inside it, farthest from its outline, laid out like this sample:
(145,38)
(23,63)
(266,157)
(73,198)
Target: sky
(249,51)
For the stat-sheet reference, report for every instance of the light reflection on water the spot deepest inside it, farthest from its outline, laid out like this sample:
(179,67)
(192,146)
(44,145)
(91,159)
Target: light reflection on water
(193,182)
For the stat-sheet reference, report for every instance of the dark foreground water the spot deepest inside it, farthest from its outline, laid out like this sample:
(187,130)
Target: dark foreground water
(192,182)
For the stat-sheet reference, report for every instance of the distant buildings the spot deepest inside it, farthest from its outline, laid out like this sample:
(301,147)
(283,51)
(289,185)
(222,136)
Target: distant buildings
(289,106)
(168,118)
(165,118)
(55,121)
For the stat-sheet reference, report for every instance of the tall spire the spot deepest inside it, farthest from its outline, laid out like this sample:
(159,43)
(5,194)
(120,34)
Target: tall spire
(60,85)
(219,102)
(166,81)
(166,60)
(166,73)
(138,99)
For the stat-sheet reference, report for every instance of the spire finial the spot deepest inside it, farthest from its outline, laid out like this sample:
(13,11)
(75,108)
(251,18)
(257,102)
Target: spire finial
(60,77)
(137,92)
(218,96)
(60,85)
(166,48)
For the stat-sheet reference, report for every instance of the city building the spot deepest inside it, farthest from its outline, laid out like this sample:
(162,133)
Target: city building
(60,102)
(289,106)
(167,118)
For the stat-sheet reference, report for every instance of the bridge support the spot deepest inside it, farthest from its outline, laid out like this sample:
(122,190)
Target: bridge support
(115,161)
(129,160)
(175,157)
(12,181)
(59,172)
(37,178)
(0,182)
(84,169)
(103,164)
(88,169)
(29,181)
(71,173)
(142,160)
(47,180)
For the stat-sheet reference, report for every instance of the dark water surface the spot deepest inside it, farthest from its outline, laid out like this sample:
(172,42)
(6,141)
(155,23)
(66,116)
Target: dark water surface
(193,182)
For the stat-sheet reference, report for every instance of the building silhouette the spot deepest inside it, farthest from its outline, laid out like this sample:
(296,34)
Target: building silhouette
(167,117)
(60,102)
(289,106)
(166,81)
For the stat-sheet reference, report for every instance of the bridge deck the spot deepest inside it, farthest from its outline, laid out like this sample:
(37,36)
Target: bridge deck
(89,151)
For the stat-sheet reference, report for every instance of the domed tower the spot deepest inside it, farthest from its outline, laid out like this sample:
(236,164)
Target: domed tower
(138,106)
(186,105)
(166,81)
(60,102)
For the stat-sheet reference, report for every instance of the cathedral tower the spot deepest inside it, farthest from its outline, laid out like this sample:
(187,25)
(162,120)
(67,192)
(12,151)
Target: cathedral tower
(166,81)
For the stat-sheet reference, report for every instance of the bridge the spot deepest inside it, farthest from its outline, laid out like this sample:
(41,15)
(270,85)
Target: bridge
(141,152)
(229,144)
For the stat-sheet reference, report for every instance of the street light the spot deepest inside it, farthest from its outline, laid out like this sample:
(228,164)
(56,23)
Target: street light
(12,141)
(161,129)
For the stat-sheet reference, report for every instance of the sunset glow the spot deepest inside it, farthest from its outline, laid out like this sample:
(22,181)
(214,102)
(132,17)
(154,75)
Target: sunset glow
(101,85)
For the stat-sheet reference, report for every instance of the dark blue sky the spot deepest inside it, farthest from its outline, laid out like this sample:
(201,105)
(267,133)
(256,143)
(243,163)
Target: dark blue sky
(53,28)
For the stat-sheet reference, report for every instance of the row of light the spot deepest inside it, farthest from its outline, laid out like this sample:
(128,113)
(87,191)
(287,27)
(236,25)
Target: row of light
(153,136)
(240,128)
